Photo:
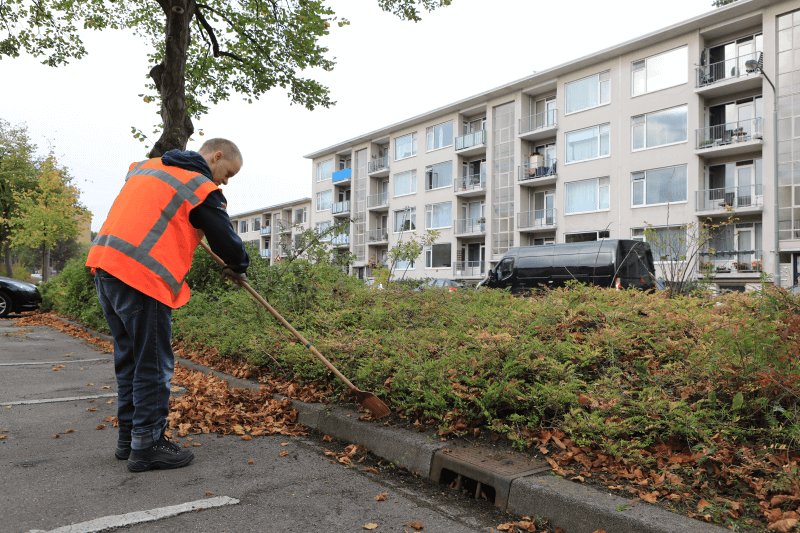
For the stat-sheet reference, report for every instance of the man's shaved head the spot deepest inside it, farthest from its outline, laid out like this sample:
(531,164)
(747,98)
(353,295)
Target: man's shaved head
(229,150)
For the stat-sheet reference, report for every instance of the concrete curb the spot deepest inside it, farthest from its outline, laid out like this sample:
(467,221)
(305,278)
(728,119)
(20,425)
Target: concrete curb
(574,507)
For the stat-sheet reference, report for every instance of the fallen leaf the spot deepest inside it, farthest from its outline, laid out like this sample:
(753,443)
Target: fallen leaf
(88,384)
(91,408)
(283,454)
(327,438)
(3,436)
(209,493)
(196,444)
(370,469)
(55,370)
(783,525)
(56,436)
(71,431)
(110,401)
(416,525)
(381,497)
(284,443)
(106,387)
(599,531)
(247,437)
(649,497)
(186,445)
(702,504)
(250,462)
(370,526)
(8,407)
(60,366)
(101,426)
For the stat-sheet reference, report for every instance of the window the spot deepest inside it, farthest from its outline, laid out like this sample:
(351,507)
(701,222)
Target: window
(659,129)
(587,236)
(589,92)
(587,196)
(590,143)
(439,215)
(405,183)
(325,170)
(298,241)
(543,241)
(324,200)
(438,256)
(660,71)
(345,163)
(404,265)
(440,136)
(256,223)
(322,227)
(243,226)
(300,216)
(405,146)
(658,187)
(438,176)
(667,243)
(405,221)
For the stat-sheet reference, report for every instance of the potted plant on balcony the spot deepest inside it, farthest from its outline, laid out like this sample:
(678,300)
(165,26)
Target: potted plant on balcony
(706,143)
(481,220)
(757,265)
(723,270)
(741,266)
(706,266)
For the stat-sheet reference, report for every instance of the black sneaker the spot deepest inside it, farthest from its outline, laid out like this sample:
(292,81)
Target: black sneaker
(162,455)
(123,452)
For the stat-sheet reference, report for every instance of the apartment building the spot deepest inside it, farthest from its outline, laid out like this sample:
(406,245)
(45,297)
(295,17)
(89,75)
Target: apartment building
(668,129)
(274,229)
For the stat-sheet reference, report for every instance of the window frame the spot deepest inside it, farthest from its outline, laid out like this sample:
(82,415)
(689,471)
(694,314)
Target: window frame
(413,175)
(413,136)
(243,226)
(318,231)
(429,256)
(657,258)
(319,165)
(646,59)
(566,195)
(305,214)
(429,168)
(431,206)
(412,220)
(431,130)
(644,191)
(599,143)
(597,232)
(330,192)
(645,115)
(599,92)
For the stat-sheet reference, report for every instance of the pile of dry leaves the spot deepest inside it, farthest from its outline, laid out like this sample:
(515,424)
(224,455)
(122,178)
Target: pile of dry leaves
(52,320)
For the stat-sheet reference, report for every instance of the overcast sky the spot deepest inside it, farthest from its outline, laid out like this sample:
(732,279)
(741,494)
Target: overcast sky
(387,70)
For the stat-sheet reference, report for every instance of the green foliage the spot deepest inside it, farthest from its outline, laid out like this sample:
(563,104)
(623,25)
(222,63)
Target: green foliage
(408,251)
(21,273)
(72,292)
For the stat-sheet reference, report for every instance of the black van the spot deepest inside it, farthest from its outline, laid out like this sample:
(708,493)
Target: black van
(608,263)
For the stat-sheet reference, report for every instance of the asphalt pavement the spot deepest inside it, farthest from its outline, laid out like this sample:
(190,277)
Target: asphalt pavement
(50,484)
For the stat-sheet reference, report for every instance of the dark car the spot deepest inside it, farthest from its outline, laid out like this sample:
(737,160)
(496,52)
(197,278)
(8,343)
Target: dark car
(440,283)
(18,296)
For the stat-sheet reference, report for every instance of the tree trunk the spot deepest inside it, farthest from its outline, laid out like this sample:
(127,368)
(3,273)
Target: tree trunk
(169,77)
(7,258)
(46,265)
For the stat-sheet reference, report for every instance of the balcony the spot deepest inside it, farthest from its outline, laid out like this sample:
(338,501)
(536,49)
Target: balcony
(379,167)
(731,264)
(743,200)
(539,220)
(469,226)
(340,209)
(378,201)
(471,143)
(727,77)
(729,139)
(535,173)
(380,235)
(342,177)
(472,185)
(340,241)
(539,126)
(469,269)
(284,228)
(266,254)
(266,230)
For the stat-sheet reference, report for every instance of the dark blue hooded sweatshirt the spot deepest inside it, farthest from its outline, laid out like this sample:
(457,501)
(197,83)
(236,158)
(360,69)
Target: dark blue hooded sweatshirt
(211,216)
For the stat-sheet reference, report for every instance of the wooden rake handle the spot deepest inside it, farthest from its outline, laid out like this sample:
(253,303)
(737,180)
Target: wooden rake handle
(283,321)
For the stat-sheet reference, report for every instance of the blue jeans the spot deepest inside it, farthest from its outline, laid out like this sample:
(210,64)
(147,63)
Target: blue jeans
(143,359)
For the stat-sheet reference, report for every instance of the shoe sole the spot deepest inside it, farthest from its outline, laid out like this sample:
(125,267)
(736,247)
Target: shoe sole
(122,455)
(144,466)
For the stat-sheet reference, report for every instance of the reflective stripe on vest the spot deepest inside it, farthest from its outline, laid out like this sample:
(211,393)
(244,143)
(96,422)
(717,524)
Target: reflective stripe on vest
(141,257)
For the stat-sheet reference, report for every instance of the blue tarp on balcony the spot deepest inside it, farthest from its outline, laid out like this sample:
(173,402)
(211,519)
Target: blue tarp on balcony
(342,175)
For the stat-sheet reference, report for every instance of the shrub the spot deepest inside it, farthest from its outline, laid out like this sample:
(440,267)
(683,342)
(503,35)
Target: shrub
(72,292)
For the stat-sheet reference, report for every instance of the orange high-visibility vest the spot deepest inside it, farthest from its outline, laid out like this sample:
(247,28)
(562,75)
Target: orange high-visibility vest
(147,240)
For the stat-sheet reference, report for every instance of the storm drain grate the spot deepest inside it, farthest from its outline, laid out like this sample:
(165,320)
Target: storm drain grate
(483,473)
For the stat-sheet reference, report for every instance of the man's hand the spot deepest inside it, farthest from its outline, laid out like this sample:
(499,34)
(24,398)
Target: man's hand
(235,277)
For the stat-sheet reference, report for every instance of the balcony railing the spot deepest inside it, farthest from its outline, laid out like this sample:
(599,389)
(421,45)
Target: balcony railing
(742,261)
(340,240)
(469,225)
(378,164)
(541,169)
(730,133)
(476,138)
(541,218)
(342,175)
(340,207)
(266,230)
(284,227)
(546,119)
(378,200)
(378,235)
(470,183)
(469,268)
(735,197)
(266,253)
(724,70)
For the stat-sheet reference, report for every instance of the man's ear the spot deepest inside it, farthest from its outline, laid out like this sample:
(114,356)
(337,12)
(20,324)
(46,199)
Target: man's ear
(218,155)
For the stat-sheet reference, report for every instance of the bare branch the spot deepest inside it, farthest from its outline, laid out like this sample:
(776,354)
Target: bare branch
(210,31)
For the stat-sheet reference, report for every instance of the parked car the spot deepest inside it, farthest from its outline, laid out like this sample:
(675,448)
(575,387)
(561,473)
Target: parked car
(609,263)
(440,283)
(18,296)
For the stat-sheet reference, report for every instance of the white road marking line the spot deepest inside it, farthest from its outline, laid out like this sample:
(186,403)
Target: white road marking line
(55,400)
(58,362)
(122,520)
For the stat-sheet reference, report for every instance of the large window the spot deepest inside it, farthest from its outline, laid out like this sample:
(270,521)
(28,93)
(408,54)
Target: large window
(405,220)
(405,146)
(243,226)
(405,183)
(439,215)
(589,92)
(440,136)
(660,71)
(658,187)
(438,176)
(587,236)
(325,170)
(324,200)
(587,196)
(438,256)
(300,215)
(322,227)
(590,143)
(667,243)
(660,128)
(256,223)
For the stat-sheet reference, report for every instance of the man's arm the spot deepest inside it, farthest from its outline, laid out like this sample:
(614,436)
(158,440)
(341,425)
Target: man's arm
(212,219)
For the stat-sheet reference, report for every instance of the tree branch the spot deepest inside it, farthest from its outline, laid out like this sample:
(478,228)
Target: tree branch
(234,26)
(210,31)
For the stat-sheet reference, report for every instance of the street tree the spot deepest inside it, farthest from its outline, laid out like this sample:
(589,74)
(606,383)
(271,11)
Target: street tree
(48,213)
(202,51)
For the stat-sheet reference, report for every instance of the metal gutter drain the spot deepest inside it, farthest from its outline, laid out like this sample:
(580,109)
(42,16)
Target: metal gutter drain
(482,472)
